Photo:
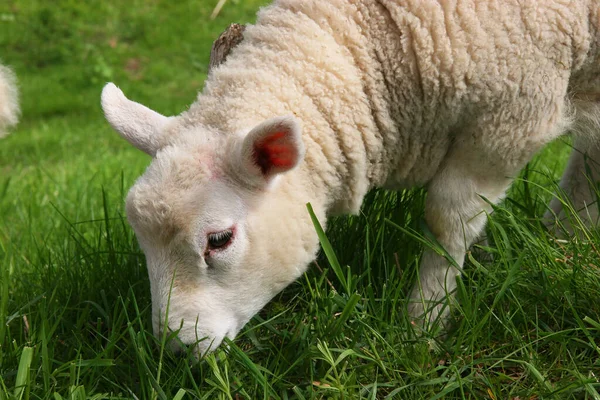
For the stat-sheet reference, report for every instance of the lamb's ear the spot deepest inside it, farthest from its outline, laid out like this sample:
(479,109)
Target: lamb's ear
(136,123)
(273,147)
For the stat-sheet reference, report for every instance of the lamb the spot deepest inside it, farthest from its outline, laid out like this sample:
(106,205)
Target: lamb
(323,101)
(9,104)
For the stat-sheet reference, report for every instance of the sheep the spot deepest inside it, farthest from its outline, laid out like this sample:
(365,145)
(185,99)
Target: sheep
(9,100)
(323,101)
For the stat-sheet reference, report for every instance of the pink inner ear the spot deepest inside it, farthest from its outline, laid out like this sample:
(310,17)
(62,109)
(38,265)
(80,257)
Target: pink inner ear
(275,153)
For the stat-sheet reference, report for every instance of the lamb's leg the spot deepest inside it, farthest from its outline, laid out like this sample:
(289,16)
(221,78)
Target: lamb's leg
(578,183)
(455,212)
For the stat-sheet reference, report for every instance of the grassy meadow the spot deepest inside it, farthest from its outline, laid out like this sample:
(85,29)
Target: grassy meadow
(74,293)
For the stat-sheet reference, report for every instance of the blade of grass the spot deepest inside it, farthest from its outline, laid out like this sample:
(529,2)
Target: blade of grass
(328,250)
(22,380)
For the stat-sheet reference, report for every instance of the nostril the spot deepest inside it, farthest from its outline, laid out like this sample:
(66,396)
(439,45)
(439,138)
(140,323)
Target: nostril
(180,350)
(185,342)
(172,342)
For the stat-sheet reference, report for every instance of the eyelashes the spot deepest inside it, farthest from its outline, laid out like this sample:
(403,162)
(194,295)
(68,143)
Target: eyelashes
(219,240)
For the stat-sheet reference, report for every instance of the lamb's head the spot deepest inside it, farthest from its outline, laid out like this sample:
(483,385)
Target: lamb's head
(209,217)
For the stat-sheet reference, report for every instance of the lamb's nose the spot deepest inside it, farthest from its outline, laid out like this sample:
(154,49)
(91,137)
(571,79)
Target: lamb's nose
(172,342)
(179,349)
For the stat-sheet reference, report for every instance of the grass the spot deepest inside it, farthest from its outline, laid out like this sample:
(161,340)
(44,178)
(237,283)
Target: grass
(74,293)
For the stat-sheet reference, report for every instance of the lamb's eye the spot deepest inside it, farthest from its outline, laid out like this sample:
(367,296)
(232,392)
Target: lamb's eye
(219,240)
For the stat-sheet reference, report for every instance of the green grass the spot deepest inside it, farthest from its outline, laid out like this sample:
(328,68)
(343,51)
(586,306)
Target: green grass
(74,292)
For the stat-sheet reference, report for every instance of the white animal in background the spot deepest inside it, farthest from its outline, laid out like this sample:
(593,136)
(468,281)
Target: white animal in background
(324,100)
(9,100)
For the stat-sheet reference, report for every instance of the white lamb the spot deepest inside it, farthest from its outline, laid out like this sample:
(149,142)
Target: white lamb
(324,100)
(9,104)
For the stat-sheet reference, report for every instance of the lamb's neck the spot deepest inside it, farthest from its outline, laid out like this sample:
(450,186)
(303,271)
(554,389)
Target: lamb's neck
(337,169)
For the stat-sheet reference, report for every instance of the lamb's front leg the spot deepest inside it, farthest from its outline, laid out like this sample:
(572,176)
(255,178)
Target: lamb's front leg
(455,212)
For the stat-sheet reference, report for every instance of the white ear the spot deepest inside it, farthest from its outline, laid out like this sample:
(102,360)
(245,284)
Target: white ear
(136,123)
(273,147)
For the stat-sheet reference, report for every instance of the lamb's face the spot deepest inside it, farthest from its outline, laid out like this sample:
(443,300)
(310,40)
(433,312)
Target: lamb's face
(192,228)
(204,217)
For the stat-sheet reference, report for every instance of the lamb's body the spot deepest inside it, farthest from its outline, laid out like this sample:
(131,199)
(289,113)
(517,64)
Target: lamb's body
(454,95)
(385,87)
(9,106)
